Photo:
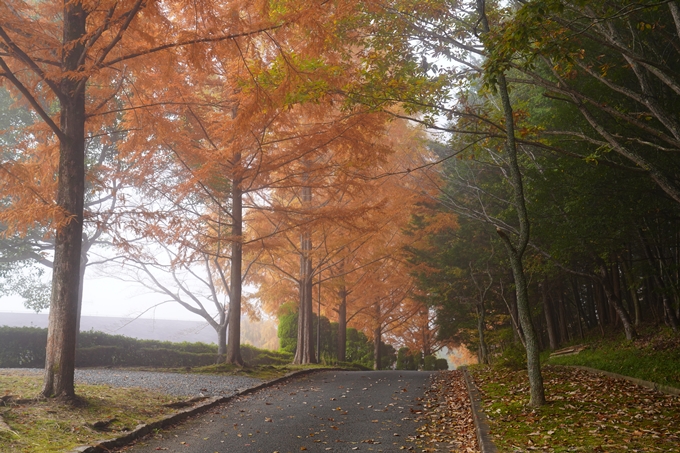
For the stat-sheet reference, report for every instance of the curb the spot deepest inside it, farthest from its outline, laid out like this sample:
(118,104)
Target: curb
(144,429)
(650,385)
(481,425)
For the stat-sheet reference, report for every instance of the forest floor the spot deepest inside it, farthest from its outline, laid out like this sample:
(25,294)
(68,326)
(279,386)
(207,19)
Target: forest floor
(585,412)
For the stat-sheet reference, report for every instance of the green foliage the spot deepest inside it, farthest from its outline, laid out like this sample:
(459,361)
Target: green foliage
(514,357)
(429,363)
(441,364)
(407,360)
(388,356)
(359,349)
(287,332)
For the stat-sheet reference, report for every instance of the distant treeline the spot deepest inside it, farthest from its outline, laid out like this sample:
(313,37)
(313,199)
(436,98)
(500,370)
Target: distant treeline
(24,347)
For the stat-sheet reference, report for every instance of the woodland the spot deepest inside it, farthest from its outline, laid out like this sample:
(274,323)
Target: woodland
(499,175)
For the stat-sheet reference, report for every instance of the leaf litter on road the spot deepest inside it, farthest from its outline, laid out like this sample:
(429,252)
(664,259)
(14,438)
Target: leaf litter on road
(448,425)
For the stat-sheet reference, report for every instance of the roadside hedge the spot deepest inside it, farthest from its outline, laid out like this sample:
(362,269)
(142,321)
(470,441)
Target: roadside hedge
(24,347)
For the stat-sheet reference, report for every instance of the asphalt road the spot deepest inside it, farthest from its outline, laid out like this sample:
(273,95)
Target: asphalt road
(337,411)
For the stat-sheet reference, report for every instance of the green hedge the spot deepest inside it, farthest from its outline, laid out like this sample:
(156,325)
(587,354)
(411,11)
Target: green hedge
(24,347)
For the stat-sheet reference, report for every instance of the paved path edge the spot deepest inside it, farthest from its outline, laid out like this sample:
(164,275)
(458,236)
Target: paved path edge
(478,416)
(648,384)
(144,429)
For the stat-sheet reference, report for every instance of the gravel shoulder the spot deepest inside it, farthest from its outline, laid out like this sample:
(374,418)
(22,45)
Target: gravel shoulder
(176,384)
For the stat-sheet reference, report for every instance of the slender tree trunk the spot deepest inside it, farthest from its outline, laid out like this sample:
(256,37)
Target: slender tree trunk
(657,265)
(599,299)
(616,303)
(234,332)
(63,318)
(342,325)
(632,293)
(222,337)
(481,327)
(304,353)
(547,311)
(377,352)
(515,253)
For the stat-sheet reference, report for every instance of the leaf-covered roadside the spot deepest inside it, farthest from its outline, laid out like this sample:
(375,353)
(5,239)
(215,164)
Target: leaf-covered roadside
(585,412)
(449,426)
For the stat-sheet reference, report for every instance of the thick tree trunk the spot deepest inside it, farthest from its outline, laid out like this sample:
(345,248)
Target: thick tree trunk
(342,325)
(234,332)
(304,353)
(63,318)
(550,323)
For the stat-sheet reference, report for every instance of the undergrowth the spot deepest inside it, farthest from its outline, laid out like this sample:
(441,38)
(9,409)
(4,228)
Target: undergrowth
(654,358)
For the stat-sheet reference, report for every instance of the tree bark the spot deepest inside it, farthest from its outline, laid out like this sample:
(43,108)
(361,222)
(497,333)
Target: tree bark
(377,353)
(63,318)
(615,302)
(234,332)
(481,325)
(342,325)
(222,338)
(550,323)
(304,353)
(515,253)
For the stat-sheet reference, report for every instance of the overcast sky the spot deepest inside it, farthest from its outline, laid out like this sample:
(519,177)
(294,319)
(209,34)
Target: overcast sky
(107,296)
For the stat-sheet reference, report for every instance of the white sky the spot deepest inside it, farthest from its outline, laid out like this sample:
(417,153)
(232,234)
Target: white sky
(107,296)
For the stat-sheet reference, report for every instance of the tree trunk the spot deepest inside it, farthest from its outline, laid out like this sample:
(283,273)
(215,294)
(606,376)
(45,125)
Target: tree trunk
(616,303)
(657,265)
(222,338)
(304,353)
(342,325)
(481,325)
(632,293)
(601,312)
(234,332)
(377,356)
(81,283)
(63,318)
(550,323)
(515,254)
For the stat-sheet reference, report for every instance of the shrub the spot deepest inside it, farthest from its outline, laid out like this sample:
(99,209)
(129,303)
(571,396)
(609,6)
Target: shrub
(514,357)
(441,364)
(430,363)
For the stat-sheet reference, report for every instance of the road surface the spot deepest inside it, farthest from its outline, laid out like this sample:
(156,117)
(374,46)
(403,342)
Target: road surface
(337,411)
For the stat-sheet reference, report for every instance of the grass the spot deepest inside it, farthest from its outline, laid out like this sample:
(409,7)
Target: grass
(654,358)
(40,425)
(585,412)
